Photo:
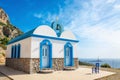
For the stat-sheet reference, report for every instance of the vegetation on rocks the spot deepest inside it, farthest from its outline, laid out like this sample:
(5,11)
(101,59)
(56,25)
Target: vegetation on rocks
(1,23)
(7,32)
(106,65)
(86,64)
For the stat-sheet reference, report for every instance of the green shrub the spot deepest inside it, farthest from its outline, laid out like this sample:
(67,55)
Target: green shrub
(106,65)
(85,63)
(4,41)
(2,24)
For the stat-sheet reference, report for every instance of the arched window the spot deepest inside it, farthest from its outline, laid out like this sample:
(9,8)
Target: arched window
(12,51)
(19,50)
(15,51)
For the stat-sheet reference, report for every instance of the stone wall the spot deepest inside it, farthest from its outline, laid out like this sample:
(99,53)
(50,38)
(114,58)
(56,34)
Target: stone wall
(32,65)
(57,64)
(76,62)
(22,64)
(35,65)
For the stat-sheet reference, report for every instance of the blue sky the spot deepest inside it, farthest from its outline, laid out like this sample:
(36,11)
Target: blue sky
(96,23)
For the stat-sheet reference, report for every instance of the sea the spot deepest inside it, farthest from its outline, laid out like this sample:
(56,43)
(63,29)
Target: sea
(114,63)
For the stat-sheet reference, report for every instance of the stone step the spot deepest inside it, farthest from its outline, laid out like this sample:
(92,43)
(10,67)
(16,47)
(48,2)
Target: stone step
(46,70)
(69,68)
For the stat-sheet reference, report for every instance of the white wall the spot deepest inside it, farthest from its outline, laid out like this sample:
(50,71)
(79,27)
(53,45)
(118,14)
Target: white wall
(45,30)
(68,35)
(57,48)
(25,48)
(30,48)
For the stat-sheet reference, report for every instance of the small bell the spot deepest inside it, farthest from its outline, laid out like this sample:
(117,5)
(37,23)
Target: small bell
(58,27)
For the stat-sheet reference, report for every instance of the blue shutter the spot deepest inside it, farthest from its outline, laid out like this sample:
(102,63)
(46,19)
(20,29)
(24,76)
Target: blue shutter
(12,52)
(15,51)
(19,49)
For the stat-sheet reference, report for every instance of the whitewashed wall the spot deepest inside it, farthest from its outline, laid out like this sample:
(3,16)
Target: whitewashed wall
(45,30)
(30,47)
(25,48)
(68,35)
(57,48)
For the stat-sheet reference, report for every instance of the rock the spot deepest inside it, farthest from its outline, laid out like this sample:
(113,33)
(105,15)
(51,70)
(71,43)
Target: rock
(3,16)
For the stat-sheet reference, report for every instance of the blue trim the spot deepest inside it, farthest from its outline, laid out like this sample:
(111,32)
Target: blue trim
(56,38)
(40,56)
(68,44)
(64,56)
(29,34)
(46,42)
(50,48)
(21,37)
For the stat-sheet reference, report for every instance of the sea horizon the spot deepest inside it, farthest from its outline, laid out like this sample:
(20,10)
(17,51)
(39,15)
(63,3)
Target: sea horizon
(113,62)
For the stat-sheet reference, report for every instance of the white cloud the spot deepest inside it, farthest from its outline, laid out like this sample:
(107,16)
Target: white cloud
(117,6)
(38,15)
(99,23)
(110,1)
(96,23)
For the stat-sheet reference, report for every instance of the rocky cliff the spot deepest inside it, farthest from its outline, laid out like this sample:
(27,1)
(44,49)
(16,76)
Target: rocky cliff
(7,31)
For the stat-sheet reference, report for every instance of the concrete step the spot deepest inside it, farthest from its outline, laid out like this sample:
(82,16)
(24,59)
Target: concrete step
(69,68)
(46,70)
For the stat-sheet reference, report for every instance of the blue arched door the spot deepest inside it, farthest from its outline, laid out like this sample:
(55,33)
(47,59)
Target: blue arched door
(45,54)
(68,57)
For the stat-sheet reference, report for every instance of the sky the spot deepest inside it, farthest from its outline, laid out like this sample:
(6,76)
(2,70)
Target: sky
(95,23)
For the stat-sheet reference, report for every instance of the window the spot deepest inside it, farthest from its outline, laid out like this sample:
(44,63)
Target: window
(15,51)
(42,52)
(46,52)
(12,51)
(19,50)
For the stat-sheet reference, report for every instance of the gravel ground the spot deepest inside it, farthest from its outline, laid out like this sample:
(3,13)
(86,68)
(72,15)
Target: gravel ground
(3,77)
(112,77)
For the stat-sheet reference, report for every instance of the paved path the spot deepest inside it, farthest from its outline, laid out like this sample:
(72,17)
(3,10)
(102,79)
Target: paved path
(3,77)
(79,74)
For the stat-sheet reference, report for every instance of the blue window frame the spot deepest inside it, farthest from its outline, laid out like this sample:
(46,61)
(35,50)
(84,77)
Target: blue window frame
(15,51)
